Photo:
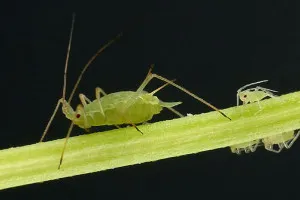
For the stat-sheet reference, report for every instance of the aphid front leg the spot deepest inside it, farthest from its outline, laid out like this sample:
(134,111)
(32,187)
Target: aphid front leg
(98,92)
(84,99)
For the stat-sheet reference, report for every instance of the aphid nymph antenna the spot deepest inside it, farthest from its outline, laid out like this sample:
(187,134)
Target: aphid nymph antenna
(245,86)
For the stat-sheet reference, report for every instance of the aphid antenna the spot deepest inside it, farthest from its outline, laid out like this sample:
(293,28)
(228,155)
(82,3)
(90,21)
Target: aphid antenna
(63,99)
(90,62)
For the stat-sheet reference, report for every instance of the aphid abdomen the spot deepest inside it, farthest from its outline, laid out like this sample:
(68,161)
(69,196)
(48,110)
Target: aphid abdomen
(124,107)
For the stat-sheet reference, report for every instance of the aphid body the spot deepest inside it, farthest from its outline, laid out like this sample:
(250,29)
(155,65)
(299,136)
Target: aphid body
(255,94)
(282,140)
(125,107)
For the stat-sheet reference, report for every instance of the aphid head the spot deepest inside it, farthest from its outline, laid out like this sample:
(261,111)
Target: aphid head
(79,118)
(244,96)
(76,116)
(68,110)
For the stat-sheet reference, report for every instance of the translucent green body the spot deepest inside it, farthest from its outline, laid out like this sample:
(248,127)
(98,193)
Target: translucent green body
(125,107)
(251,96)
(279,138)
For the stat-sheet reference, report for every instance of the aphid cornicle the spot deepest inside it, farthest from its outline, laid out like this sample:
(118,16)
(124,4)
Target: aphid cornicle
(282,140)
(125,107)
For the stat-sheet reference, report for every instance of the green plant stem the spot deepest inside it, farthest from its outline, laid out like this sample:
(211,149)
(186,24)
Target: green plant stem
(121,147)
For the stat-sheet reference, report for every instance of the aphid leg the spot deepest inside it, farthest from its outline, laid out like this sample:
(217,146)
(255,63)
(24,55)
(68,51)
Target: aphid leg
(51,119)
(65,144)
(253,148)
(98,92)
(151,76)
(132,124)
(79,109)
(269,147)
(175,112)
(247,150)
(84,99)
(292,141)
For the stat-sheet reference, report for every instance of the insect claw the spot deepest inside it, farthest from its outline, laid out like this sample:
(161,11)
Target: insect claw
(225,115)
(139,130)
(60,162)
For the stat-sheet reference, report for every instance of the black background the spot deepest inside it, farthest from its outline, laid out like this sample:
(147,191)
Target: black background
(210,47)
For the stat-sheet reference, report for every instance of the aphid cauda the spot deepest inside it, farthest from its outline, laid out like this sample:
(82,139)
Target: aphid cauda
(125,107)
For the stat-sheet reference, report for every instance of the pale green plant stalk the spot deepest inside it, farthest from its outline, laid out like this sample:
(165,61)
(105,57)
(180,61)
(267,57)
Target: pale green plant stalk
(121,147)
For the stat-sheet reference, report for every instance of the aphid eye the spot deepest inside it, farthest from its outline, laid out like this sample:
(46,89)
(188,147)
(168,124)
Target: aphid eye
(245,96)
(78,115)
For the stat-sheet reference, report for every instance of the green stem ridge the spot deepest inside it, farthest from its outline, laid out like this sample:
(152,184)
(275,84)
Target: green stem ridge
(122,147)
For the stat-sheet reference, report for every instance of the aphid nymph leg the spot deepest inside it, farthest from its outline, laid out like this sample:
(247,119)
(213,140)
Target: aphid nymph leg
(292,141)
(275,151)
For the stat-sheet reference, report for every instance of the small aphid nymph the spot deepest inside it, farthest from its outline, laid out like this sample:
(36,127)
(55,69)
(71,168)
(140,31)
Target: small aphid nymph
(282,140)
(255,94)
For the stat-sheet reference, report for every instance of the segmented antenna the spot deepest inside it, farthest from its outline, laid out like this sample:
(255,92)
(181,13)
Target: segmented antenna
(89,62)
(67,58)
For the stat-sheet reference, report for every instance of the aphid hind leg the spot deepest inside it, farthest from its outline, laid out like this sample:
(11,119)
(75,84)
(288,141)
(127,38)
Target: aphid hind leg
(175,112)
(150,76)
